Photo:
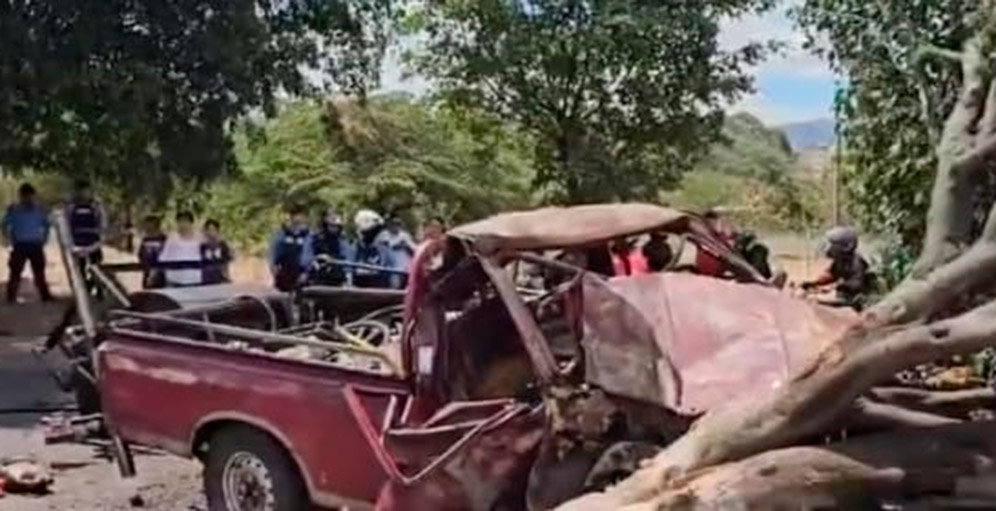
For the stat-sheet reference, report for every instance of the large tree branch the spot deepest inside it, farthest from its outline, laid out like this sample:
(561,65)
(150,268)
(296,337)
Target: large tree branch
(809,404)
(926,51)
(958,403)
(982,154)
(949,219)
(869,415)
(921,297)
(987,126)
(952,461)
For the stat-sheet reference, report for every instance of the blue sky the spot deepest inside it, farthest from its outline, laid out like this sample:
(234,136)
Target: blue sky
(791,87)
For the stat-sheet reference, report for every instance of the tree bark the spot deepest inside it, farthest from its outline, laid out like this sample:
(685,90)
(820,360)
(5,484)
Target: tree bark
(809,404)
(959,403)
(949,217)
(872,416)
(947,461)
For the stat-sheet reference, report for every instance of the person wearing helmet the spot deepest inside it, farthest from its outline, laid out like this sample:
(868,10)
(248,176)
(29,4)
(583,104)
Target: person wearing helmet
(848,272)
(331,244)
(370,252)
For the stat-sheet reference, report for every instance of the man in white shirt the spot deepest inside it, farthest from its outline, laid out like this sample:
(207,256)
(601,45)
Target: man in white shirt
(183,246)
(401,248)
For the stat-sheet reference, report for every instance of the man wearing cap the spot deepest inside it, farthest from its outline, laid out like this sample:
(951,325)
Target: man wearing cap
(848,272)
(26,227)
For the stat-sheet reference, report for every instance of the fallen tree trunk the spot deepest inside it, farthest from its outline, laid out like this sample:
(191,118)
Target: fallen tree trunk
(871,416)
(950,461)
(808,405)
(958,403)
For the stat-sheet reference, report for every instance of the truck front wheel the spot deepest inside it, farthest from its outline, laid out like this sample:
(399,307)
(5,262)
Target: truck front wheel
(246,470)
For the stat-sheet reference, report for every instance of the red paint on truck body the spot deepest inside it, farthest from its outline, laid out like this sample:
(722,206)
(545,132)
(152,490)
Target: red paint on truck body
(159,392)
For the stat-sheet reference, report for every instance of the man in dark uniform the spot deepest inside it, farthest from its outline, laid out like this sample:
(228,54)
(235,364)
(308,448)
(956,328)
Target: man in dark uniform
(25,226)
(86,225)
(153,241)
(331,244)
(215,254)
(754,252)
(291,251)
(848,272)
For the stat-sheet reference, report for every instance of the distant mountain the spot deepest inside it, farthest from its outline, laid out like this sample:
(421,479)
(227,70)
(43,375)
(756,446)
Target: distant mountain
(818,133)
(749,149)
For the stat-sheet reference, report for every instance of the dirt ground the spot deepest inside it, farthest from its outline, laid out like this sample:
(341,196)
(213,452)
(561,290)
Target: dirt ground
(84,479)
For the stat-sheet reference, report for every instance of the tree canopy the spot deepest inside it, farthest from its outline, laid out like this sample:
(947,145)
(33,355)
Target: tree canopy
(620,96)
(394,153)
(901,62)
(142,92)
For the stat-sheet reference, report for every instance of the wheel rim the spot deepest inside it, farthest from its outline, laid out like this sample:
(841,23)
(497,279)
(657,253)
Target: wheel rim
(247,484)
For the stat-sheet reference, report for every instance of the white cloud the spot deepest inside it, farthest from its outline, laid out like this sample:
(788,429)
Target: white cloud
(775,25)
(775,113)
(791,63)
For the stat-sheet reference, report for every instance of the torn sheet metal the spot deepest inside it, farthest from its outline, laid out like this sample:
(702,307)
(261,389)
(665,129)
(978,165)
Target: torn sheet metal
(689,342)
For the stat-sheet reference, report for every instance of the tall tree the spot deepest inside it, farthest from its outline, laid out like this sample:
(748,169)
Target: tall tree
(902,82)
(139,92)
(621,95)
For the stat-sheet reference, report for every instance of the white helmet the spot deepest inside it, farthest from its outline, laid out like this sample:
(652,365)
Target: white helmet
(367,219)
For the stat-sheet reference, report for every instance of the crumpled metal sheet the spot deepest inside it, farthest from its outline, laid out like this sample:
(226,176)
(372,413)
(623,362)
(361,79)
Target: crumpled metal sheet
(689,342)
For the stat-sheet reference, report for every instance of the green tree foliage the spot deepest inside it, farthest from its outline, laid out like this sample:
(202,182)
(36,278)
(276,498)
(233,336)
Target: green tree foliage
(394,154)
(138,93)
(902,81)
(749,148)
(620,95)
(753,173)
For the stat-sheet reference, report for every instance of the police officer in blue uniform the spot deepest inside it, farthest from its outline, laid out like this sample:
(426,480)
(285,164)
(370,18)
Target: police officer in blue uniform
(86,225)
(25,226)
(291,251)
(331,244)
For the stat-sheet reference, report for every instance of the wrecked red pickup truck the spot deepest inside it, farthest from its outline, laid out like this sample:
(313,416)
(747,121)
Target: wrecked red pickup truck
(510,377)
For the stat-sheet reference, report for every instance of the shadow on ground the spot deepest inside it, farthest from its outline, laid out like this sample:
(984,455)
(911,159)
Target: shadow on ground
(26,387)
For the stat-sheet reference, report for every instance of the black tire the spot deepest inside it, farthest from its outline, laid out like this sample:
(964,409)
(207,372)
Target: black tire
(268,473)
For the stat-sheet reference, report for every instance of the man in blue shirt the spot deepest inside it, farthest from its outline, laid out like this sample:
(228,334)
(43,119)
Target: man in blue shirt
(291,251)
(25,226)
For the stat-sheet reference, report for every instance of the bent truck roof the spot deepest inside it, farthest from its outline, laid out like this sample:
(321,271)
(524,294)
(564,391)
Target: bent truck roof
(559,227)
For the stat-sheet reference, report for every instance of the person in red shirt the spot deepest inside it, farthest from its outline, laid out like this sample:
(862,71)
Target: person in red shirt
(626,260)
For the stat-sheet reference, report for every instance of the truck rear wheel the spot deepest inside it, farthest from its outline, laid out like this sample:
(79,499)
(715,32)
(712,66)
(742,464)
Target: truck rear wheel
(246,470)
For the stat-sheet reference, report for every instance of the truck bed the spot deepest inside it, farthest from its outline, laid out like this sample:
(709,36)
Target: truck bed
(173,392)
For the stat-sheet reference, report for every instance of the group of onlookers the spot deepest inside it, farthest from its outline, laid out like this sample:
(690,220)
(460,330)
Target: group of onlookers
(185,257)
(377,255)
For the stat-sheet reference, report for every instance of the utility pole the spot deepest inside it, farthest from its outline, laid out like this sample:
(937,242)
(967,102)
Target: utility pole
(836,180)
